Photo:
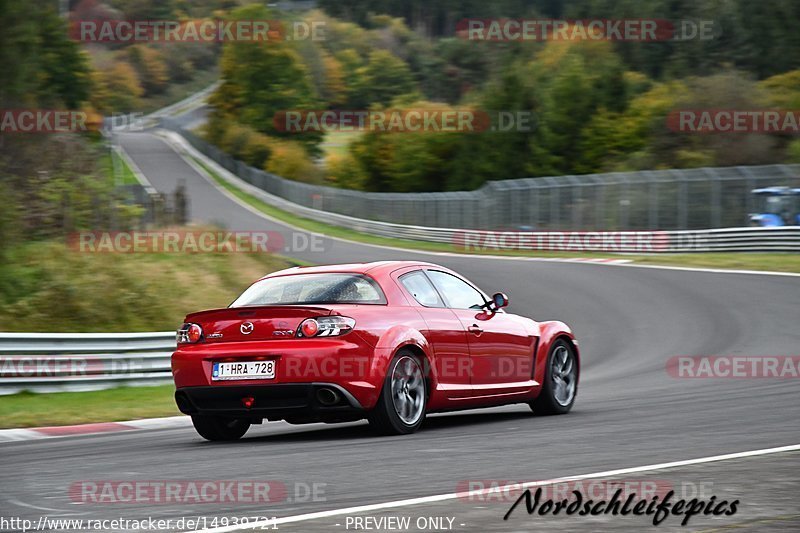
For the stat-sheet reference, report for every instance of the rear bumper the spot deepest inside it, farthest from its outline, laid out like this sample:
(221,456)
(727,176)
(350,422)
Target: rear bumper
(355,368)
(297,401)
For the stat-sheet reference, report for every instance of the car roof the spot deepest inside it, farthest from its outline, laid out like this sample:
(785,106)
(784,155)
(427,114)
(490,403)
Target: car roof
(375,268)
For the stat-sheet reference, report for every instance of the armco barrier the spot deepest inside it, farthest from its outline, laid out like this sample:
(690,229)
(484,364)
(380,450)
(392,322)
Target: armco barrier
(632,242)
(53,362)
(743,239)
(671,199)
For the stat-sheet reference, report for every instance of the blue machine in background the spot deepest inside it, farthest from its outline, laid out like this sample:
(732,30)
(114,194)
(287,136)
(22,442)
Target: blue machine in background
(778,206)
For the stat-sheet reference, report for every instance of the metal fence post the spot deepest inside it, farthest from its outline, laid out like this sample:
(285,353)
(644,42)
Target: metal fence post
(600,204)
(716,200)
(682,199)
(652,210)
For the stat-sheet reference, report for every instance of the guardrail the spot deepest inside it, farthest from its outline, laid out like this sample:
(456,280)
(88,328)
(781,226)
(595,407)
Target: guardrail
(138,121)
(741,239)
(56,362)
(673,199)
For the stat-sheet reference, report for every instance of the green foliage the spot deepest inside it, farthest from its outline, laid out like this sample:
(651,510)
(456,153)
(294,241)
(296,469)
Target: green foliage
(243,142)
(116,89)
(406,161)
(290,160)
(793,151)
(759,37)
(151,68)
(345,171)
(596,105)
(234,138)
(452,67)
(39,63)
(783,90)
(351,64)
(381,80)
(257,150)
(118,292)
(7,217)
(261,79)
(58,184)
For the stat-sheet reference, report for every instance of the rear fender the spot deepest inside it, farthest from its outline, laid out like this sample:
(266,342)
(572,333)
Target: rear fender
(392,340)
(550,332)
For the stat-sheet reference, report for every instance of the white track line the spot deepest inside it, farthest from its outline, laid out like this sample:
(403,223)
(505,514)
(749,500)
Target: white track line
(454,495)
(173,139)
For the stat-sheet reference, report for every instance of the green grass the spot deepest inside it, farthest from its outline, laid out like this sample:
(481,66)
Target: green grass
(66,408)
(49,287)
(106,158)
(778,262)
(126,175)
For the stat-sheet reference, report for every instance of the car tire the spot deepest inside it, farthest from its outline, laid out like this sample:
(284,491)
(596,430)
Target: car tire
(220,428)
(560,385)
(403,400)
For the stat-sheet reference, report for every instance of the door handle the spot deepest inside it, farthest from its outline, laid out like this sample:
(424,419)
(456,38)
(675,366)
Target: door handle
(475,329)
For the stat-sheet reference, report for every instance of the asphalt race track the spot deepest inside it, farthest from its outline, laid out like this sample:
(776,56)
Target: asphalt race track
(629,411)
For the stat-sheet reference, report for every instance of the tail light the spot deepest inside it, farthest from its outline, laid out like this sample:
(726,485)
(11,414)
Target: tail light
(189,334)
(326,326)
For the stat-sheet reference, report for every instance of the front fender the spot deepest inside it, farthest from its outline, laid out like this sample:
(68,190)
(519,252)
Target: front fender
(550,332)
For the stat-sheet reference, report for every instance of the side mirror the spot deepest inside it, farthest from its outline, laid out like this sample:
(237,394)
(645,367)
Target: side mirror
(499,300)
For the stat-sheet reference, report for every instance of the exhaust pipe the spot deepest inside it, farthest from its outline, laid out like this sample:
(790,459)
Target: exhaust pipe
(328,397)
(184,405)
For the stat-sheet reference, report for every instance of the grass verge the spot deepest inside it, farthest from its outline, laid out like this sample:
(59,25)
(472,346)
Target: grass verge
(125,174)
(67,408)
(49,287)
(776,262)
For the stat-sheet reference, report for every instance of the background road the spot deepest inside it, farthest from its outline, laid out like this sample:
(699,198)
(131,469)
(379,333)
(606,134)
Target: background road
(629,412)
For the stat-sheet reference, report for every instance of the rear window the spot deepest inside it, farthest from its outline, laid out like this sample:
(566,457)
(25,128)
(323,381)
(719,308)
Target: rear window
(307,289)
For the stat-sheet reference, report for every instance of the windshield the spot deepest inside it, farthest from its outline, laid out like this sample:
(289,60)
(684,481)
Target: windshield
(308,289)
(778,205)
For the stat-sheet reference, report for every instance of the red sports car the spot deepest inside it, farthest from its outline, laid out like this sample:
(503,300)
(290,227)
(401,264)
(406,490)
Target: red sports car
(387,341)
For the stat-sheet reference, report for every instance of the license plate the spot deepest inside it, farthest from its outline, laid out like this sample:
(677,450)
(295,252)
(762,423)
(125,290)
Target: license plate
(243,370)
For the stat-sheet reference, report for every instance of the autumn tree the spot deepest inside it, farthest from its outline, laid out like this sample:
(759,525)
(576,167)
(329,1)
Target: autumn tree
(262,79)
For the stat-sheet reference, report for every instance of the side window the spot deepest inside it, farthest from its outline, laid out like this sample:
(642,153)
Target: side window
(458,293)
(421,289)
